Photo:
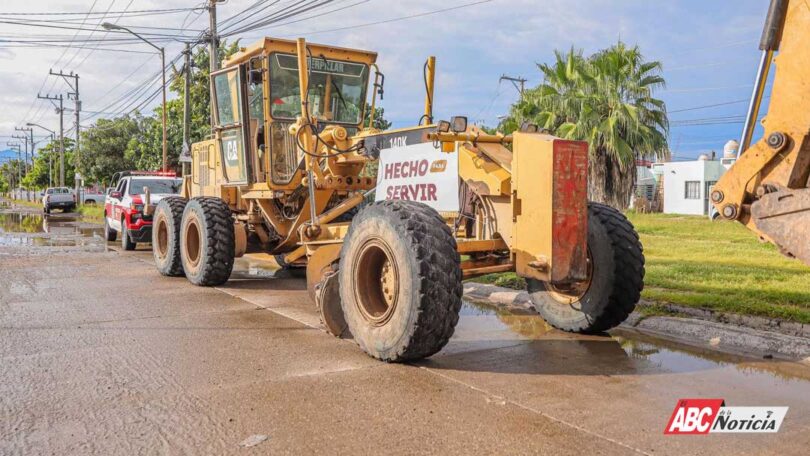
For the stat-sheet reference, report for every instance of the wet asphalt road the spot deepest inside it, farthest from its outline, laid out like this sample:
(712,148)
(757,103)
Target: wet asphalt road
(101,355)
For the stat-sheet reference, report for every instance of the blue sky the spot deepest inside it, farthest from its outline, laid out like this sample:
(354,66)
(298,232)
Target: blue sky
(708,48)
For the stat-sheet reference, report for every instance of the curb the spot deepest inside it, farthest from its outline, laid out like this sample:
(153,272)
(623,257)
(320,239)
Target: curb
(757,336)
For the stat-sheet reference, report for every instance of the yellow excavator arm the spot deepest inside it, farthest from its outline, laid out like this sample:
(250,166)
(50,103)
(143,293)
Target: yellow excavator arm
(767,188)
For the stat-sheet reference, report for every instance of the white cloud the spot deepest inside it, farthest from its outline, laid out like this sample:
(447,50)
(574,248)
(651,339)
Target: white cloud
(474,46)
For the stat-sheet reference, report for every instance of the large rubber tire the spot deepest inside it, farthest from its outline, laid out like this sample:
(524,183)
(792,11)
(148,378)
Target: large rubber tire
(109,234)
(126,243)
(416,247)
(617,278)
(207,243)
(166,235)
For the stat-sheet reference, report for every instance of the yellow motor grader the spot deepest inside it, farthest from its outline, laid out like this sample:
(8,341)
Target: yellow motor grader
(389,223)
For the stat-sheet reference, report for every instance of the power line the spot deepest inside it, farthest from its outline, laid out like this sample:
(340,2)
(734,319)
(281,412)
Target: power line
(301,6)
(84,44)
(83,29)
(323,13)
(45,81)
(89,13)
(706,89)
(132,96)
(695,108)
(396,19)
(228,22)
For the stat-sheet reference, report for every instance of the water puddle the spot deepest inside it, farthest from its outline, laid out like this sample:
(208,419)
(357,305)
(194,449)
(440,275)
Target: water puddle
(20,228)
(261,266)
(521,342)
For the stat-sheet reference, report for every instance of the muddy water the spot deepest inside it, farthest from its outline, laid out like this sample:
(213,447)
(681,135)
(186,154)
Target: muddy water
(24,228)
(622,352)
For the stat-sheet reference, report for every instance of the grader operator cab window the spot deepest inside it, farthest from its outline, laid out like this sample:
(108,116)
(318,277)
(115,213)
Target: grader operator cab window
(337,89)
(256,133)
(228,97)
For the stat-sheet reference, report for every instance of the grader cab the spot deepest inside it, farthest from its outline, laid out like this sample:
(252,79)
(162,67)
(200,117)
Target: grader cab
(389,223)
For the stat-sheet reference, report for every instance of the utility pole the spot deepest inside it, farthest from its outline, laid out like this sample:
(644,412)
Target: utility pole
(30,126)
(16,146)
(213,43)
(29,140)
(74,85)
(213,47)
(185,154)
(515,82)
(25,151)
(61,111)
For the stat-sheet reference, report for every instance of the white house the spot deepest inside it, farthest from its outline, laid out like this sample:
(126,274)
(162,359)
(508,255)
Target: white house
(687,184)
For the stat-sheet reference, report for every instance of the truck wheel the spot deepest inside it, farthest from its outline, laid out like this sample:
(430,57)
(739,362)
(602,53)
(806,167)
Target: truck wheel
(166,236)
(616,277)
(400,281)
(109,234)
(126,243)
(207,241)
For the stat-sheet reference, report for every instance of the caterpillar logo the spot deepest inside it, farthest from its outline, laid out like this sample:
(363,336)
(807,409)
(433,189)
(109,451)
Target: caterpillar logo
(438,166)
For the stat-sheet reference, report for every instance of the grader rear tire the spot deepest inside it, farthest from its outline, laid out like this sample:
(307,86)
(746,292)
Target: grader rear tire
(166,236)
(400,281)
(207,243)
(616,270)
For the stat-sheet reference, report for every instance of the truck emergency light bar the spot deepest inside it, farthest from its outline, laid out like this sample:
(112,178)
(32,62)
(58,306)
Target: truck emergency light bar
(117,176)
(149,173)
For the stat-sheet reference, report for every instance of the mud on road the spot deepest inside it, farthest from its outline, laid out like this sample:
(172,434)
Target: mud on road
(101,355)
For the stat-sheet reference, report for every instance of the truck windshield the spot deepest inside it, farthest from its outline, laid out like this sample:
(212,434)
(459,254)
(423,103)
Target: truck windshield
(337,89)
(156,186)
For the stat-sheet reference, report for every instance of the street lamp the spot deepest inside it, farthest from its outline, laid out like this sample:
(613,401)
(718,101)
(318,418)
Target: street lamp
(110,26)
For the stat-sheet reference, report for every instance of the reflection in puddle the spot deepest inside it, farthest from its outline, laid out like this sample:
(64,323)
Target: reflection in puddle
(524,342)
(35,230)
(16,222)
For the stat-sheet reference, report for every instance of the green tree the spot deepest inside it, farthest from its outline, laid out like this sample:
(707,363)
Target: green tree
(605,99)
(380,123)
(46,163)
(9,175)
(105,147)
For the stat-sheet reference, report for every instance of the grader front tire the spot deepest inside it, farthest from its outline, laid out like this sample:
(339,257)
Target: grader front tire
(400,281)
(207,242)
(166,236)
(616,269)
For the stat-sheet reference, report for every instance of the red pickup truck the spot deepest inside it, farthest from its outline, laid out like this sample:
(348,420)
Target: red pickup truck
(123,206)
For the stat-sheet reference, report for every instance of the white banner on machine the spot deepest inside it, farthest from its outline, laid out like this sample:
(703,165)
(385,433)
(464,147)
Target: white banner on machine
(420,172)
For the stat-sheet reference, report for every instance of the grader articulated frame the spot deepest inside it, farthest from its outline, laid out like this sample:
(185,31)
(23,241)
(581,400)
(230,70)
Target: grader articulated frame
(291,172)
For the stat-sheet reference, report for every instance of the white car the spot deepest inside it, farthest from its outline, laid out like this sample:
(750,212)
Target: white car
(123,206)
(58,198)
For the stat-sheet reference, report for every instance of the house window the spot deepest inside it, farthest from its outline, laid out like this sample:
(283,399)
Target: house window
(692,190)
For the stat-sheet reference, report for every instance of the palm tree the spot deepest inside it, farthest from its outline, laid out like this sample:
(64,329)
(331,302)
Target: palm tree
(607,100)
